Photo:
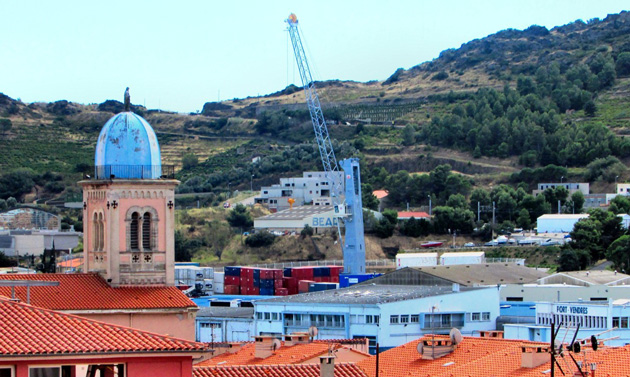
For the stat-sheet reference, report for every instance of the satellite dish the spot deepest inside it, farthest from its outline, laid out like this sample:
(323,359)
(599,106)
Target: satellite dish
(594,342)
(312,331)
(420,347)
(456,336)
(275,344)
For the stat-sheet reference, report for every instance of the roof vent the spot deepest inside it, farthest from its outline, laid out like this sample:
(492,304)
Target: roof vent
(491,334)
(296,338)
(534,356)
(433,348)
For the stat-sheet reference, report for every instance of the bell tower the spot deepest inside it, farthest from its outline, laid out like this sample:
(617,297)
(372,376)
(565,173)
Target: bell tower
(128,206)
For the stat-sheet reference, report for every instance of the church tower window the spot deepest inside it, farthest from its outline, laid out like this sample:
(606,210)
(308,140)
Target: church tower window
(133,236)
(146,231)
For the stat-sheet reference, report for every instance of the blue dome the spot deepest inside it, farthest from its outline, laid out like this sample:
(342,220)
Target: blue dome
(127,148)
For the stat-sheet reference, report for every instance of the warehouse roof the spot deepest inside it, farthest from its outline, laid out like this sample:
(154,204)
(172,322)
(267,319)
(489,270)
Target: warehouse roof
(469,275)
(225,312)
(564,216)
(297,213)
(586,278)
(364,295)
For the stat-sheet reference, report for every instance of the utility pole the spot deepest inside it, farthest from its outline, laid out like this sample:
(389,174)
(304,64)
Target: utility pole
(493,218)
(478,211)
(430,210)
(559,211)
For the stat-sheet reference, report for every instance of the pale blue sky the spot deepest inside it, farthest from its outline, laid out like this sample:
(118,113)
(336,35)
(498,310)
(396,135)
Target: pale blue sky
(178,55)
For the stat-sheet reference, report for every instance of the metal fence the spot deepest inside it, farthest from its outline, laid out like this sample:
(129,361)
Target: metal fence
(130,172)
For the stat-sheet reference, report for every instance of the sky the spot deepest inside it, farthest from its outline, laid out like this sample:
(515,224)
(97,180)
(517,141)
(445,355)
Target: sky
(177,55)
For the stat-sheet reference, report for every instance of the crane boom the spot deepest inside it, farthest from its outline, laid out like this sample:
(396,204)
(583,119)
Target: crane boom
(352,210)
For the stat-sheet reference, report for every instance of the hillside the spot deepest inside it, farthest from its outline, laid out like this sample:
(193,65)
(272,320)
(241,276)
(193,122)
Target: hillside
(485,122)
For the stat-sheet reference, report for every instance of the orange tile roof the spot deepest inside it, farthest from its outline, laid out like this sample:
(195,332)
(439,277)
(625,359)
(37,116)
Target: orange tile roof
(29,330)
(91,292)
(415,215)
(71,263)
(312,370)
(284,355)
(380,194)
(484,357)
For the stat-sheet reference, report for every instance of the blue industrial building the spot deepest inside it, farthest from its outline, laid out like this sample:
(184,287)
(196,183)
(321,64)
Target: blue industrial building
(387,314)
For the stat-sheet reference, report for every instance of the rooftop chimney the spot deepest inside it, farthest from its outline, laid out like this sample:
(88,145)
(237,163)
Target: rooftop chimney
(296,338)
(533,356)
(327,366)
(491,334)
(263,346)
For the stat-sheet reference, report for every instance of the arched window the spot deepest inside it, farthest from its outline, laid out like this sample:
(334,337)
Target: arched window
(146,231)
(101,232)
(133,236)
(95,232)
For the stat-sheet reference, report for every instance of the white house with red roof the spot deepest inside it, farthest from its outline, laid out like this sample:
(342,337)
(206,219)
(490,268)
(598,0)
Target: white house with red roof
(37,342)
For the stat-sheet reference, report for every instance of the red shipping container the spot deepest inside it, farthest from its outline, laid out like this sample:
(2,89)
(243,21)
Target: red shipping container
(232,280)
(303,285)
(335,270)
(293,291)
(231,289)
(334,279)
(282,292)
(278,274)
(318,279)
(289,282)
(266,274)
(278,283)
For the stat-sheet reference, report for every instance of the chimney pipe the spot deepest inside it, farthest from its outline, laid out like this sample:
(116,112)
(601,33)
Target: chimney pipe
(327,366)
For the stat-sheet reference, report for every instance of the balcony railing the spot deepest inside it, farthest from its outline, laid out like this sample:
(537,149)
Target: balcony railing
(130,172)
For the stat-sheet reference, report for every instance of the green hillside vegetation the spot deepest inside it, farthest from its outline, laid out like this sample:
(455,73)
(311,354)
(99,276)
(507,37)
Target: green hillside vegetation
(479,124)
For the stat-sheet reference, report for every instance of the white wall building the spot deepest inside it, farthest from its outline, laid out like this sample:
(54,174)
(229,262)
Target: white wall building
(592,317)
(312,188)
(319,218)
(387,314)
(560,223)
(572,187)
(224,324)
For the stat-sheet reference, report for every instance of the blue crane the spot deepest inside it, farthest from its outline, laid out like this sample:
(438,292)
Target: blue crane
(350,210)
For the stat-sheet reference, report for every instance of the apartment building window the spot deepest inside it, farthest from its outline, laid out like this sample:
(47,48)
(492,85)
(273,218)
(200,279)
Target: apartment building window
(404,318)
(415,318)
(372,319)
(394,319)
(443,320)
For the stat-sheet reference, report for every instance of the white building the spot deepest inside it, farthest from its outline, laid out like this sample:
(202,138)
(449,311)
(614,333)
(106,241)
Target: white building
(218,324)
(391,315)
(572,187)
(320,218)
(592,317)
(623,188)
(312,188)
(558,223)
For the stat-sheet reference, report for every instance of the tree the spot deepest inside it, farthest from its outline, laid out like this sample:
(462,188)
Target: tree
(183,249)
(367,197)
(523,220)
(586,235)
(16,183)
(239,217)
(415,227)
(307,231)
(216,236)
(408,135)
(623,64)
(619,253)
(260,239)
(590,108)
(11,202)
(568,261)
(5,125)
(453,219)
(6,261)
(3,204)
(189,161)
(457,201)
(578,201)
(383,228)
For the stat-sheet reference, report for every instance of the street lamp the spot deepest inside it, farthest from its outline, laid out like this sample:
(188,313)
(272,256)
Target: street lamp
(429,196)
(561,178)
(251,183)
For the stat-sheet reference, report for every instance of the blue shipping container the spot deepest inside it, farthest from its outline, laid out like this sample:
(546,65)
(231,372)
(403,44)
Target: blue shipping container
(346,280)
(232,271)
(287,272)
(266,291)
(266,283)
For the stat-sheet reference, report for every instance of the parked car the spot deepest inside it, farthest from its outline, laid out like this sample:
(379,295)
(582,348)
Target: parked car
(469,244)
(226,205)
(491,243)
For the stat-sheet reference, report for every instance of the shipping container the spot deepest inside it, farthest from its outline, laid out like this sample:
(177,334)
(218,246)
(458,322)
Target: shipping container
(208,286)
(219,278)
(473,257)
(303,285)
(232,271)
(416,260)
(282,292)
(346,280)
(266,291)
(231,289)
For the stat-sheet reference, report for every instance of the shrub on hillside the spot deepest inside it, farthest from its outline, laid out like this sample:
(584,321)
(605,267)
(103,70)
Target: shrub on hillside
(260,239)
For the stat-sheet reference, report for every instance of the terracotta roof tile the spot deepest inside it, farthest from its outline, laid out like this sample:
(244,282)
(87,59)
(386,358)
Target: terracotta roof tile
(284,355)
(91,292)
(29,330)
(482,357)
(312,370)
